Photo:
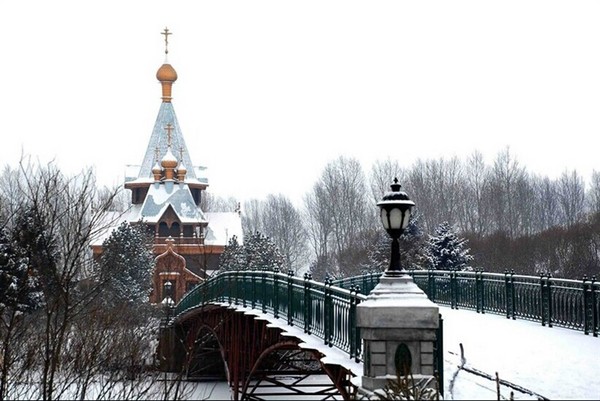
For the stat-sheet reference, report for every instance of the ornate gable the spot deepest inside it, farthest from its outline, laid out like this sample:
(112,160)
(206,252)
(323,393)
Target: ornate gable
(171,267)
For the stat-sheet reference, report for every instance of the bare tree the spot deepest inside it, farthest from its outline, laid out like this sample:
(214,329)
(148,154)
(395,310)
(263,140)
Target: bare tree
(344,188)
(285,225)
(593,195)
(571,195)
(213,203)
(421,191)
(382,174)
(476,191)
(319,227)
(546,201)
(277,218)
(69,213)
(252,220)
(506,172)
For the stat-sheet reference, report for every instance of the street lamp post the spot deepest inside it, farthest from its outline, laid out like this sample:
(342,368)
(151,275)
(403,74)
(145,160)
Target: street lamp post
(398,324)
(167,332)
(167,298)
(394,210)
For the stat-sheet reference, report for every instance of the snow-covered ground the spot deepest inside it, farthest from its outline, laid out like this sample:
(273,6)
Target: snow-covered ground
(554,363)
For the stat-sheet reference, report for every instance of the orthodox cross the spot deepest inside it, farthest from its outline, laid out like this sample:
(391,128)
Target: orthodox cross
(166,33)
(169,128)
(181,153)
(156,154)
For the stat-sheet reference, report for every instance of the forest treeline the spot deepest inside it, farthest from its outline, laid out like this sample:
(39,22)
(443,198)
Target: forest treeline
(512,218)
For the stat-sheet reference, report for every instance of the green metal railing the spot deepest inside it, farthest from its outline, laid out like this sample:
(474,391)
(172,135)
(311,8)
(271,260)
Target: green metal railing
(324,310)
(319,309)
(573,304)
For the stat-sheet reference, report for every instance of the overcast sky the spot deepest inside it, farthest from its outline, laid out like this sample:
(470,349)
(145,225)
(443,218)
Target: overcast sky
(269,92)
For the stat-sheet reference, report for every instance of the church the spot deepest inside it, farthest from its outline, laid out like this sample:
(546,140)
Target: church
(166,191)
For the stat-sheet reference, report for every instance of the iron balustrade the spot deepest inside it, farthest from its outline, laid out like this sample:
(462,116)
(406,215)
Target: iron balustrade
(325,310)
(328,310)
(573,304)
(320,309)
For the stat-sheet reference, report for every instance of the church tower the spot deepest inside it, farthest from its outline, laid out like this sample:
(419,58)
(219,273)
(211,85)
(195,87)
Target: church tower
(166,190)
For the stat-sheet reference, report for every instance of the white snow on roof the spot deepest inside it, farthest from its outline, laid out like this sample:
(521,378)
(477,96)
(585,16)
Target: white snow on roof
(169,194)
(106,225)
(222,226)
(131,172)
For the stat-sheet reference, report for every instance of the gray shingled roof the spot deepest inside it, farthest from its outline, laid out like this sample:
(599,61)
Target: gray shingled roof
(166,115)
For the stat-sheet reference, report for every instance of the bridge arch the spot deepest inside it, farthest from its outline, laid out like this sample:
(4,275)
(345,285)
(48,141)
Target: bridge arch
(304,364)
(207,356)
(258,359)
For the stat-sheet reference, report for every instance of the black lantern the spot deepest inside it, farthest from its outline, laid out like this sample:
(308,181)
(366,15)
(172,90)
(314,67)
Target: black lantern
(167,287)
(167,298)
(394,210)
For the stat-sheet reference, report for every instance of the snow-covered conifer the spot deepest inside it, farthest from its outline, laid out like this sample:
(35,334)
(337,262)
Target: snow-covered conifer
(19,284)
(126,264)
(446,251)
(262,254)
(233,257)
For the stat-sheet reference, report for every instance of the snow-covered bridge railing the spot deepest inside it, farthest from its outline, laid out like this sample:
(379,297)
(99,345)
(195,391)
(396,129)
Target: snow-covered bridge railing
(573,304)
(320,309)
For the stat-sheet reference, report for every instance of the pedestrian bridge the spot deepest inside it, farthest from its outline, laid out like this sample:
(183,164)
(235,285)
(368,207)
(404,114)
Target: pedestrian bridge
(274,335)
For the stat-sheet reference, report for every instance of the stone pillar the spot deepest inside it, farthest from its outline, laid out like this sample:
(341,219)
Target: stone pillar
(398,326)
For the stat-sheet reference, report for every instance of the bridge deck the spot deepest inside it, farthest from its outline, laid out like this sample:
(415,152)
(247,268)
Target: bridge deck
(556,363)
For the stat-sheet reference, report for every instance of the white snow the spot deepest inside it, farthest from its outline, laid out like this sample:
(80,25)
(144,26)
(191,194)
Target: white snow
(554,362)
(224,225)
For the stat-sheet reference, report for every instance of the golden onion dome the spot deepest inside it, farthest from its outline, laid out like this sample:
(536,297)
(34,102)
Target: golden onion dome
(169,161)
(166,73)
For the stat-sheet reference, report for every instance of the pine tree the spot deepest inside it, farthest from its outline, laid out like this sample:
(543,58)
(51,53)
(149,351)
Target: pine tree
(262,254)
(258,253)
(31,235)
(127,263)
(19,285)
(411,243)
(233,256)
(446,251)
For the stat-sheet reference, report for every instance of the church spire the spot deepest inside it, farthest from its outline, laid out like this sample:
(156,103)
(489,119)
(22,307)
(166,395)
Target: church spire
(166,74)
(161,136)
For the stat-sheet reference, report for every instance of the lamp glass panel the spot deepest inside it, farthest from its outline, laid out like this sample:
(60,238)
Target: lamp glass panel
(384,218)
(406,218)
(395,218)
